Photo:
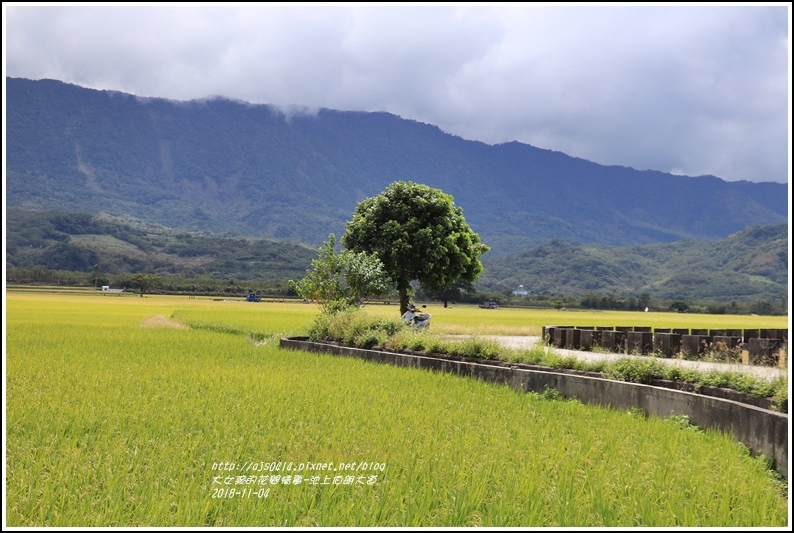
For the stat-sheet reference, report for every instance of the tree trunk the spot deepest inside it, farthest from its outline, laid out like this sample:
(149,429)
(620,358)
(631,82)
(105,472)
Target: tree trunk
(403,300)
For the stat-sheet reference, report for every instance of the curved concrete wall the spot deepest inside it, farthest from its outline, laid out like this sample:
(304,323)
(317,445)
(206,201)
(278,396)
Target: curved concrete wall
(763,431)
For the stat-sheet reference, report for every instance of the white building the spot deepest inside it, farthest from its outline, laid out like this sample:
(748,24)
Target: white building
(520,291)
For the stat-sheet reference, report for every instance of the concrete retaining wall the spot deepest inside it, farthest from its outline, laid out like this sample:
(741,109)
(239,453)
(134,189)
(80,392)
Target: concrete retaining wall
(763,431)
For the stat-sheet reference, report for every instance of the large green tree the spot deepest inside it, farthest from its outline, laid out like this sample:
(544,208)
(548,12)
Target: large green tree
(146,282)
(419,235)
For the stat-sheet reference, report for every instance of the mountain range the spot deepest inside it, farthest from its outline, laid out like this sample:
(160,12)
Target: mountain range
(230,189)
(749,266)
(224,166)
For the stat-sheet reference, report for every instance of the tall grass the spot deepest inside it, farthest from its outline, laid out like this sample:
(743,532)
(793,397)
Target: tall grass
(113,424)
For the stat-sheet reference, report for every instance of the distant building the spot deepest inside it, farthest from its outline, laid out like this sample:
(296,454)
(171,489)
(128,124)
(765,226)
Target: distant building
(106,288)
(520,291)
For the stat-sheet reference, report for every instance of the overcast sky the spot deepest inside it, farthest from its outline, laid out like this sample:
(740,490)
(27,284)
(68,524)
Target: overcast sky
(683,89)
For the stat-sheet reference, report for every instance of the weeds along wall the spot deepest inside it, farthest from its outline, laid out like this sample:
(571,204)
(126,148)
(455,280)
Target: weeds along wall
(763,431)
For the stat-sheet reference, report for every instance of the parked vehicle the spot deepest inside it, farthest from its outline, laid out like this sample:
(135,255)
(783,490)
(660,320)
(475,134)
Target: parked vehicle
(416,319)
(252,297)
(489,305)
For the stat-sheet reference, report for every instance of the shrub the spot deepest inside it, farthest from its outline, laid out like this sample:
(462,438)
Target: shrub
(390,326)
(780,395)
(534,356)
(369,339)
(353,327)
(550,393)
(477,348)
(436,345)
(634,370)
(673,373)
(319,330)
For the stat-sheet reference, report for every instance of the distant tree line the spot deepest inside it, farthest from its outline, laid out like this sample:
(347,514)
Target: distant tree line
(154,283)
(748,268)
(610,302)
(207,285)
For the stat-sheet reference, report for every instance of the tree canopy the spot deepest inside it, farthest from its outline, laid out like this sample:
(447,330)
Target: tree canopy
(146,282)
(419,235)
(340,280)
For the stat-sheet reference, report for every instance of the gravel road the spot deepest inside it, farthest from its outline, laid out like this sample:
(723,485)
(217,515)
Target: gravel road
(526,342)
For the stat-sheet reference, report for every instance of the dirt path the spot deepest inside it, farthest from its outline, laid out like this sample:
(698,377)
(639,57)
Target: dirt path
(527,342)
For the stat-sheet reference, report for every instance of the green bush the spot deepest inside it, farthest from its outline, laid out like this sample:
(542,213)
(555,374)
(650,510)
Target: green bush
(369,339)
(780,395)
(319,330)
(634,370)
(435,344)
(353,327)
(477,348)
(390,326)
(550,393)
(673,373)
(534,356)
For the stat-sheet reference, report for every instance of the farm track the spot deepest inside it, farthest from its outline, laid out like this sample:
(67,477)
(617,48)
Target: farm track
(527,342)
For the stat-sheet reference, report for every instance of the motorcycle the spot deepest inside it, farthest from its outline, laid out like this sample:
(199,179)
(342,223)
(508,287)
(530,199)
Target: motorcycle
(415,319)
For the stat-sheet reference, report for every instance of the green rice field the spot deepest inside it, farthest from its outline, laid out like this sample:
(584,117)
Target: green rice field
(169,411)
